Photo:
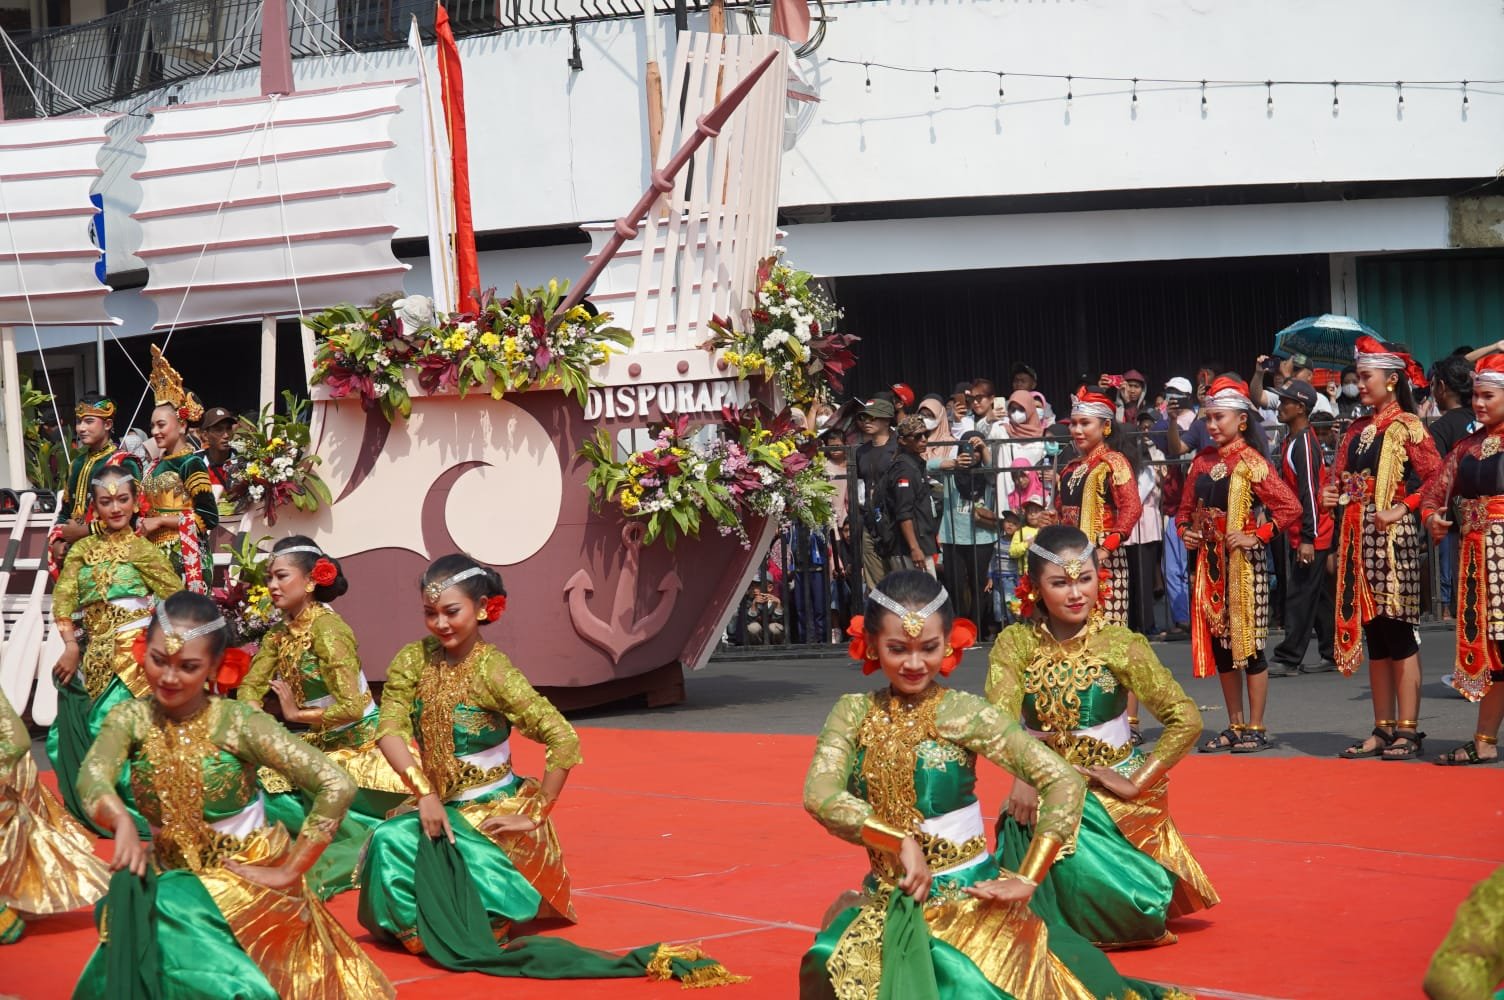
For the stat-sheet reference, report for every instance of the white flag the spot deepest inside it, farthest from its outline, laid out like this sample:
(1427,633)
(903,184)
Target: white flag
(438,179)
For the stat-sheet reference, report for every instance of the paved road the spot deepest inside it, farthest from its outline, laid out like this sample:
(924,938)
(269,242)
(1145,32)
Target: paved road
(1310,715)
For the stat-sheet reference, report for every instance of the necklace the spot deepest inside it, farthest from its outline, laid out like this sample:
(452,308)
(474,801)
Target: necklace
(439,690)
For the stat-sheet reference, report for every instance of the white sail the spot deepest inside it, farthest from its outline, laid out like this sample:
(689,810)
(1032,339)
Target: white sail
(47,258)
(269,205)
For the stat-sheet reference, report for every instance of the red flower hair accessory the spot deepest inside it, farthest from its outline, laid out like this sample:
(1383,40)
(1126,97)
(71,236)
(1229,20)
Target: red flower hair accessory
(324,572)
(857,648)
(963,635)
(495,607)
(1028,600)
(1104,585)
(232,669)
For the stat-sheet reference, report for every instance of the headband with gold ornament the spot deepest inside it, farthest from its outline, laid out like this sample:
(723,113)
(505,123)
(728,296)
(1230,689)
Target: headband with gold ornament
(434,590)
(912,620)
(1490,371)
(103,408)
(1073,567)
(174,639)
(167,387)
(112,484)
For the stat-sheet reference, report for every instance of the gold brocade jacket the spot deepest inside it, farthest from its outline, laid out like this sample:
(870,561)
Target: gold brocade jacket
(1063,689)
(959,728)
(1470,961)
(317,655)
(190,774)
(459,711)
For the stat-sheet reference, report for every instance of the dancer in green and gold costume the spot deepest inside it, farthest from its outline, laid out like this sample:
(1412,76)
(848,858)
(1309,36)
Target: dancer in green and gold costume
(1469,965)
(111,578)
(1068,675)
(311,662)
(47,862)
(178,508)
(478,857)
(94,430)
(217,907)
(895,771)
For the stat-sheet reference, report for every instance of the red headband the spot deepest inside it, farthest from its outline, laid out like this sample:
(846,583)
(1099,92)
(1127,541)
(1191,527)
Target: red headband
(1372,354)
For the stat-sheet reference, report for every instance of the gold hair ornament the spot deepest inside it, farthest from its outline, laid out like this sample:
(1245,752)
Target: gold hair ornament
(104,409)
(912,620)
(167,387)
(1073,567)
(176,640)
(433,590)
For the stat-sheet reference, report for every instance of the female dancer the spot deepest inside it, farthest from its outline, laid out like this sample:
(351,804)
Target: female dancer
(47,862)
(480,835)
(1470,962)
(1218,517)
(895,771)
(178,509)
(223,910)
(1472,476)
(1379,547)
(311,662)
(1098,493)
(1068,675)
(111,578)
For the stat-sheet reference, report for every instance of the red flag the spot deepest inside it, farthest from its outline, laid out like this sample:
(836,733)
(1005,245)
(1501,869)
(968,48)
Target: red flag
(791,20)
(452,77)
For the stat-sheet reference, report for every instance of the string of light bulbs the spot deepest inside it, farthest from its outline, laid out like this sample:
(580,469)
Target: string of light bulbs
(1069,80)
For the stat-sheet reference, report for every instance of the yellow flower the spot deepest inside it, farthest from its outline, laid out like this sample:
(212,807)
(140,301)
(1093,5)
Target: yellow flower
(525,320)
(253,470)
(275,443)
(629,502)
(636,469)
(490,341)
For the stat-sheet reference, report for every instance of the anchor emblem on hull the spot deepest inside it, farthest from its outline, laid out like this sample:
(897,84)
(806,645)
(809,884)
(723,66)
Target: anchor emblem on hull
(624,631)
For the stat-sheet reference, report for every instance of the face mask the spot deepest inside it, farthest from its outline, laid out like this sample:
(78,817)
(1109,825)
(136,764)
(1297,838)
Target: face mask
(1015,415)
(930,423)
(1350,390)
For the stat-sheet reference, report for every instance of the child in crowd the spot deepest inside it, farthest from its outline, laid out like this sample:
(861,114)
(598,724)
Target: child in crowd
(1002,578)
(1018,546)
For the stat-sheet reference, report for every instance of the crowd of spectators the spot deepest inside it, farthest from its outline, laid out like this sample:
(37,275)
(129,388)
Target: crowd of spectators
(957,484)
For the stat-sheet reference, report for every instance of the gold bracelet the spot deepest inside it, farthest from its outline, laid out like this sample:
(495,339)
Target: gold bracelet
(540,807)
(1151,772)
(416,781)
(1042,851)
(881,837)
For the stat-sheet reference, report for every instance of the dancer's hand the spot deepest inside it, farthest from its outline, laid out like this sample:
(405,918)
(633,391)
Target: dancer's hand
(1110,781)
(1244,541)
(1192,539)
(1438,526)
(130,853)
(67,664)
(1004,890)
(516,823)
(151,524)
(277,877)
(289,702)
(916,870)
(434,817)
(1386,519)
(1022,804)
(1306,554)
(1329,496)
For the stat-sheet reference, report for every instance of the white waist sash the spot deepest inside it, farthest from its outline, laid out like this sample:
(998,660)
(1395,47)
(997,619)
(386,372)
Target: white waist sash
(485,760)
(1116,732)
(327,700)
(247,821)
(958,826)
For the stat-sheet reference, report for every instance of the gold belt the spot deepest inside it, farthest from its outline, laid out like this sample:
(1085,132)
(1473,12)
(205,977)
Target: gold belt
(102,621)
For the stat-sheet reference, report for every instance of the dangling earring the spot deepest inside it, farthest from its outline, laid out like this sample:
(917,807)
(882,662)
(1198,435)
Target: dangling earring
(1107,431)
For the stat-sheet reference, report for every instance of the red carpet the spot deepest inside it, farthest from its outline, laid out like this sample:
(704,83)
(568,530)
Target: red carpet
(1338,878)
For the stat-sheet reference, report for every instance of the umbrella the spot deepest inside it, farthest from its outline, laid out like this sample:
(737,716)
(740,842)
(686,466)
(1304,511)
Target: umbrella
(1326,341)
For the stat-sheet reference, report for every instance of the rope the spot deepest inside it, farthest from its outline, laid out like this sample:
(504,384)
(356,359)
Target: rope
(30,313)
(21,57)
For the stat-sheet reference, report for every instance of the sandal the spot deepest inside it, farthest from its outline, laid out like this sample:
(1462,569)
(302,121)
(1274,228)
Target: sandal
(1469,750)
(1358,751)
(1223,741)
(1255,739)
(1413,742)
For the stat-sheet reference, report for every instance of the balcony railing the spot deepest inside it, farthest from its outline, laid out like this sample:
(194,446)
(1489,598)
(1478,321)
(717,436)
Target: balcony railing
(155,43)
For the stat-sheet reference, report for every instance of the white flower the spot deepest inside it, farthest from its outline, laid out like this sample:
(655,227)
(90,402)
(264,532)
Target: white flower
(381,388)
(381,359)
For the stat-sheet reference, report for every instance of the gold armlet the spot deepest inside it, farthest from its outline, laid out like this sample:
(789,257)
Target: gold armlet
(1042,851)
(416,781)
(1151,772)
(881,837)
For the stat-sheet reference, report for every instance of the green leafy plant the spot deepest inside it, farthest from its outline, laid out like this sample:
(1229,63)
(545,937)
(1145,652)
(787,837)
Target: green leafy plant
(271,460)
(47,461)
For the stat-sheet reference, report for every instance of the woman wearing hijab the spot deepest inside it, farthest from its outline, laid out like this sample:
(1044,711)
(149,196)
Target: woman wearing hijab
(968,530)
(941,450)
(1023,430)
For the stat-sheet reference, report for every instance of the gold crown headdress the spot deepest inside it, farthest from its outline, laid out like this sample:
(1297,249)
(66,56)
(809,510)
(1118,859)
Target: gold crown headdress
(103,408)
(167,385)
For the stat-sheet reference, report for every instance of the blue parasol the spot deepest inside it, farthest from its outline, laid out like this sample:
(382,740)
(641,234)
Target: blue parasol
(1327,340)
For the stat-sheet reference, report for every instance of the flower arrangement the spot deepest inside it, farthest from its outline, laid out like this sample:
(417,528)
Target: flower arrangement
(740,470)
(271,463)
(505,345)
(792,336)
(244,600)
